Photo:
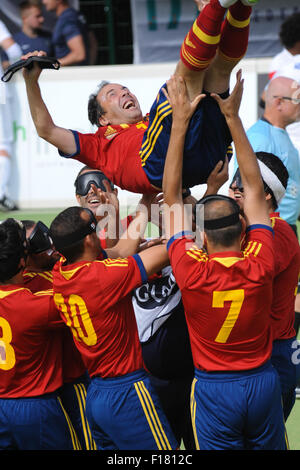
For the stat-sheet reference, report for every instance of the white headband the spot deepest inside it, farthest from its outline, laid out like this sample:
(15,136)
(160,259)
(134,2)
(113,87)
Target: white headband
(272,181)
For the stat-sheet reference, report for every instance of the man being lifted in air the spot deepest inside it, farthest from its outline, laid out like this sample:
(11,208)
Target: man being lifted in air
(129,148)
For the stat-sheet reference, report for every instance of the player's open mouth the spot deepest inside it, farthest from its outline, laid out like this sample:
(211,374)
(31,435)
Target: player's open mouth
(129,104)
(94,201)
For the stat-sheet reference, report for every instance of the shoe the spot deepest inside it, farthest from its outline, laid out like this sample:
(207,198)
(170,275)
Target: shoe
(6,204)
(298,392)
(249,3)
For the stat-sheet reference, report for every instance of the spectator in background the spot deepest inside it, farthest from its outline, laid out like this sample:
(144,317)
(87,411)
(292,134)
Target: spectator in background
(269,134)
(32,37)
(287,63)
(13,52)
(290,39)
(70,36)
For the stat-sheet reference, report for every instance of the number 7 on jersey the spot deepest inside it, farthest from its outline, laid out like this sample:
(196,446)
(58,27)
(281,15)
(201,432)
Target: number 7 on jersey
(236,297)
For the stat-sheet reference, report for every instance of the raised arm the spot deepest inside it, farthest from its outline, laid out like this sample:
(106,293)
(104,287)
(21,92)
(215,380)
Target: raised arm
(61,138)
(130,240)
(255,205)
(175,217)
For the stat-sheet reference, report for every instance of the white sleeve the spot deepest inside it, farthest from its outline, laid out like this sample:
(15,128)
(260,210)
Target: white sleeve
(4,33)
(14,52)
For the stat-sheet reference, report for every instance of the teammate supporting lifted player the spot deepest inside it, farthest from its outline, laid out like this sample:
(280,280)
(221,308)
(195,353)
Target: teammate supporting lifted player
(131,149)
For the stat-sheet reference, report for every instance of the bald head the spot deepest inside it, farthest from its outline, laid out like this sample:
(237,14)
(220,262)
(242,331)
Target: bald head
(280,109)
(280,86)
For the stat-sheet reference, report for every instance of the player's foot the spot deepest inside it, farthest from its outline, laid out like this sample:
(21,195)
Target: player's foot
(249,3)
(227,3)
(6,204)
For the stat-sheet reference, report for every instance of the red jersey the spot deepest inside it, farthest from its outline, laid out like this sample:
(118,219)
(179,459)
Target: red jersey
(95,301)
(287,267)
(30,349)
(227,298)
(73,366)
(115,151)
(37,281)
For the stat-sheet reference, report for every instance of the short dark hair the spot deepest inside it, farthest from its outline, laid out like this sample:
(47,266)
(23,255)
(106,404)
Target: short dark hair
(95,110)
(222,236)
(27,4)
(64,225)
(278,168)
(85,168)
(12,248)
(290,31)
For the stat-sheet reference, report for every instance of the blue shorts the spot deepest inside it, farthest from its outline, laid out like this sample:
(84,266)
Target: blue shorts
(286,360)
(208,140)
(38,423)
(238,410)
(125,413)
(73,397)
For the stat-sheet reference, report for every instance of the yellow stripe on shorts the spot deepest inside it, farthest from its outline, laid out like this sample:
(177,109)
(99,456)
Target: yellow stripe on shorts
(81,398)
(74,438)
(193,413)
(152,417)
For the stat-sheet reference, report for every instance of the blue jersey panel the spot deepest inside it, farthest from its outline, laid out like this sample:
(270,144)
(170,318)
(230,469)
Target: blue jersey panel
(207,141)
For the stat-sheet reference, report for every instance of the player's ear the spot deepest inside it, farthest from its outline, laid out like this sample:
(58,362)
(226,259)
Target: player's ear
(268,197)
(103,121)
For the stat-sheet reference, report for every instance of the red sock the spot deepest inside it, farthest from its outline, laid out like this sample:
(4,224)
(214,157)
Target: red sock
(202,41)
(235,32)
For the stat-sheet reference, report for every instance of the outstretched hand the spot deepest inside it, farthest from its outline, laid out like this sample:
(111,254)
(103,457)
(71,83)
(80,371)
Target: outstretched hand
(230,106)
(177,95)
(217,177)
(35,72)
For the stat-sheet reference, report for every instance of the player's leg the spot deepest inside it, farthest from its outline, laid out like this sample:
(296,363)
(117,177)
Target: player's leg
(128,412)
(151,430)
(6,140)
(232,47)
(73,397)
(217,411)
(6,438)
(41,423)
(283,353)
(265,428)
(200,45)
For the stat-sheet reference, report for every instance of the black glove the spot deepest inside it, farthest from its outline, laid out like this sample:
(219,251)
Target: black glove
(43,61)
